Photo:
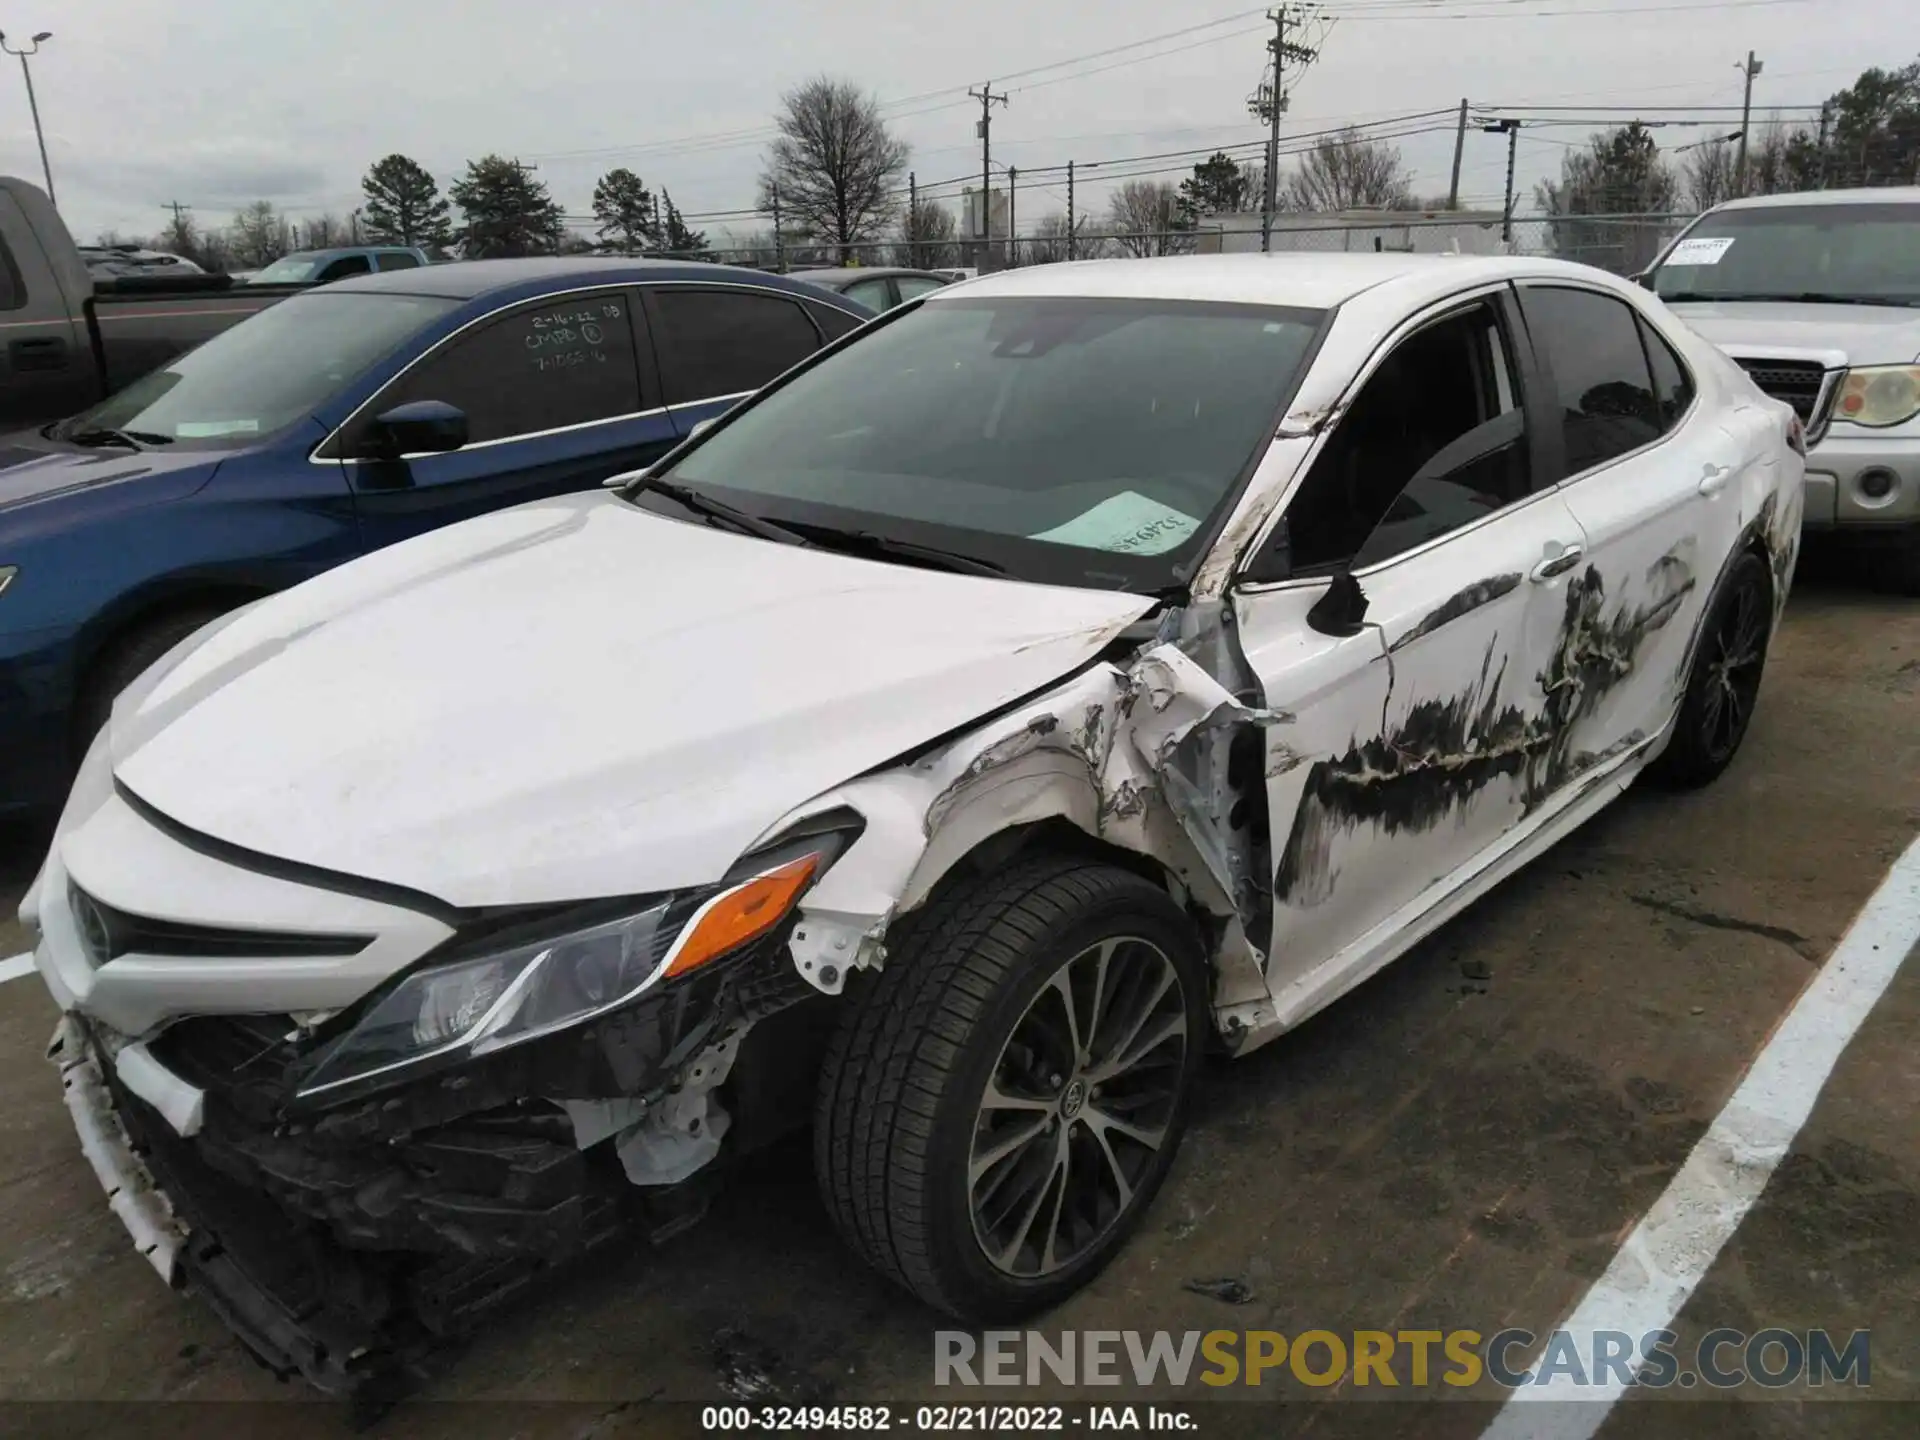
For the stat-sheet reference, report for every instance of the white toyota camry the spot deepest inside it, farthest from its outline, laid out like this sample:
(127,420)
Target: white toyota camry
(1070,674)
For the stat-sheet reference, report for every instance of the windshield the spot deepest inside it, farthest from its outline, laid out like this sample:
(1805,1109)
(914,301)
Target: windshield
(1070,441)
(288,270)
(1867,254)
(266,372)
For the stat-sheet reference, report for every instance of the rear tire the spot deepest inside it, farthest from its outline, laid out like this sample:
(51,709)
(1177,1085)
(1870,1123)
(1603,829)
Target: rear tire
(125,661)
(958,1148)
(1724,684)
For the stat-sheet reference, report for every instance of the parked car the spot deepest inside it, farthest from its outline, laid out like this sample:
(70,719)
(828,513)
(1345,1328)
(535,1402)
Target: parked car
(115,262)
(323,267)
(874,286)
(1817,295)
(338,422)
(948,746)
(72,337)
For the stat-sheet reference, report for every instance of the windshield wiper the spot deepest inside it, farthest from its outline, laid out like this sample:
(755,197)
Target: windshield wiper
(1803,297)
(719,510)
(867,542)
(96,435)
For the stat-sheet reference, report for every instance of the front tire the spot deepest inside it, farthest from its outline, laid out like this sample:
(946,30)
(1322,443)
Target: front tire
(1724,684)
(998,1108)
(126,661)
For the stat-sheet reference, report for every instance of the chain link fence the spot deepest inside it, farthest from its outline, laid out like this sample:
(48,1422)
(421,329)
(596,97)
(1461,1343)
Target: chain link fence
(1621,244)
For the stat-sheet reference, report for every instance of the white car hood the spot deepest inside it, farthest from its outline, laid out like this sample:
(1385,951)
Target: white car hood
(1866,334)
(577,698)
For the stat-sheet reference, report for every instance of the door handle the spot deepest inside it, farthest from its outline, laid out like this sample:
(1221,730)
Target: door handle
(1569,556)
(1713,477)
(48,353)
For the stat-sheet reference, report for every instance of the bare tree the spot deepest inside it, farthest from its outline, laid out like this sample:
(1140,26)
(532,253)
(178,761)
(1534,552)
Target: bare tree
(1347,171)
(926,237)
(1048,243)
(259,235)
(1145,215)
(323,232)
(835,167)
(1709,175)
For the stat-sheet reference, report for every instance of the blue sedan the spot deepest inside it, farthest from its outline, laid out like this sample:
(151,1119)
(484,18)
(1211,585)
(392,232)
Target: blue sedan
(337,422)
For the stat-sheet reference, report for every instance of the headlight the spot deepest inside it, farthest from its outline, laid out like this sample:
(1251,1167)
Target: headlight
(473,1007)
(7,572)
(1880,395)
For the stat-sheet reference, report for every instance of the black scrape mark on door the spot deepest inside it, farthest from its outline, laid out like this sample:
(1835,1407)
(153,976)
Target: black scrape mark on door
(1444,752)
(1464,602)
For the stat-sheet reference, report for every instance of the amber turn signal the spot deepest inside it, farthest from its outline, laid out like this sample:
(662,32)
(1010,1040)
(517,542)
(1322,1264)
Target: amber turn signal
(744,913)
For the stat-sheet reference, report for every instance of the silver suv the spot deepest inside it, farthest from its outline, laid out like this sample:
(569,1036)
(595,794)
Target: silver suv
(1817,295)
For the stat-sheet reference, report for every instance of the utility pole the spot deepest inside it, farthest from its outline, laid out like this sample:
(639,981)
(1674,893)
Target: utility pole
(1820,160)
(914,257)
(779,242)
(1511,129)
(1070,220)
(1013,228)
(987,100)
(1459,147)
(32,47)
(1269,102)
(1752,68)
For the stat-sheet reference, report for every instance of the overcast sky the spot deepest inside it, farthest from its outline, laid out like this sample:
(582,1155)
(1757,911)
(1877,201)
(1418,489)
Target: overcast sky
(222,102)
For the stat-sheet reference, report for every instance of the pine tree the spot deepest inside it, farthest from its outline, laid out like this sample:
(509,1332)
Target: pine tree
(681,242)
(504,211)
(625,209)
(404,205)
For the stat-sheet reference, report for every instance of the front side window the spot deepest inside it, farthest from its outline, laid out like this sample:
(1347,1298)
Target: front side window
(1602,386)
(1435,439)
(399,260)
(563,361)
(267,372)
(1846,254)
(727,342)
(912,287)
(343,267)
(289,270)
(1071,440)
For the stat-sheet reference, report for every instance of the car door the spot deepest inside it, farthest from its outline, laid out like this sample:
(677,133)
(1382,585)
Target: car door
(558,394)
(718,344)
(46,371)
(1647,477)
(1415,745)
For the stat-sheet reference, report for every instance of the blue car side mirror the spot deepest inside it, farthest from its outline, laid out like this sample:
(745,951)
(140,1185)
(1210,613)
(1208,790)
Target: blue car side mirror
(418,427)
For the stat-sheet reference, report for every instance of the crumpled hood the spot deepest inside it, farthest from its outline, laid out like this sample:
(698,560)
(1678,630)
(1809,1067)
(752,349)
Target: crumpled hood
(577,698)
(1865,334)
(34,469)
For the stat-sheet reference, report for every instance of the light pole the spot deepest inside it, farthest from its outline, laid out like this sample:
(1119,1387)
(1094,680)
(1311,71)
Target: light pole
(33,48)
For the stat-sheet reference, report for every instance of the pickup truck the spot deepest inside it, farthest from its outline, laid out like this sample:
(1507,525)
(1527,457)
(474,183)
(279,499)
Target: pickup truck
(1817,296)
(350,417)
(68,339)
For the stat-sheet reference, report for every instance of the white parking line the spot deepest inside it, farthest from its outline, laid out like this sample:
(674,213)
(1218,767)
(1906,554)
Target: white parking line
(15,967)
(1677,1240)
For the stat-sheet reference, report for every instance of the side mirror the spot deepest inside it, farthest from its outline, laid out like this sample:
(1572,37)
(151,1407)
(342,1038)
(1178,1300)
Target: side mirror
(1339,611)
(1642,278)
(418,427)
(700,427)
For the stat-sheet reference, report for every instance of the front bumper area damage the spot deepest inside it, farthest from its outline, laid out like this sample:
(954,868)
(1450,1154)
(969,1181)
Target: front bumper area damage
(356,1245)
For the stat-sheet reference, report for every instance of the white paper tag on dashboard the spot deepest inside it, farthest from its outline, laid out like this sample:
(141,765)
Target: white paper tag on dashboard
(1700,252)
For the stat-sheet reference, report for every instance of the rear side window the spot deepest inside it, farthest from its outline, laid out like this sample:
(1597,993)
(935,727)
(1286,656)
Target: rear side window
(727,342)
(565,361)
(1672,389)
(13,294)
(1605,393)
(873,294)
(912,287)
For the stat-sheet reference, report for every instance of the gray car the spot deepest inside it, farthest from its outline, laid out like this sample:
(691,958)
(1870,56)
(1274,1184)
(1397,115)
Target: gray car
(877,287)
(1817,296)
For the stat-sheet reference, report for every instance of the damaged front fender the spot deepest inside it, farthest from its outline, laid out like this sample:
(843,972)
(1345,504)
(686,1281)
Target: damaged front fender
(1109,751)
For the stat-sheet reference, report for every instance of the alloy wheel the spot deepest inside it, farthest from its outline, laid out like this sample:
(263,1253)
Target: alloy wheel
(1078,1104)
(1734,662)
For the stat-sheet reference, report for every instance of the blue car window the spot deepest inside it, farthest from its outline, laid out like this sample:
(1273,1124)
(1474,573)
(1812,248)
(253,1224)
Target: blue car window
(567,360)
